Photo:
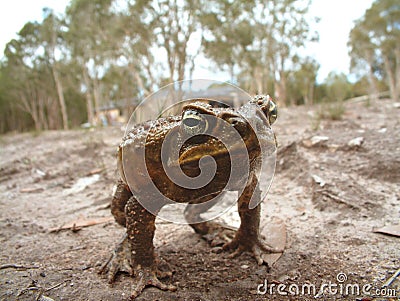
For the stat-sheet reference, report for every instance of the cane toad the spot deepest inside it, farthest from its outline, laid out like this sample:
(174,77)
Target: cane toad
(202,123)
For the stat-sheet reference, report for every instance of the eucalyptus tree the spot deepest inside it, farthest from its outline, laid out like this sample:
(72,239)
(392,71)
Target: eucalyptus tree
(175,34)
(374,44)
(305,77)
(93,40)
(259,37)
(338,88)
(136,59)
(12,118)
(52,41)
(31,82)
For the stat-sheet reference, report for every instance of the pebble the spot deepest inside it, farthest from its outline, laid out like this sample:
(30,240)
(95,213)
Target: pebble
(318,140)
(356,142)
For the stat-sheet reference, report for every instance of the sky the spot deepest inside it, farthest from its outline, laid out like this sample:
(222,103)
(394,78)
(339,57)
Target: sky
(337,19)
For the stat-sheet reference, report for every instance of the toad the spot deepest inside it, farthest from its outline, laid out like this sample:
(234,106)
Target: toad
(200,130)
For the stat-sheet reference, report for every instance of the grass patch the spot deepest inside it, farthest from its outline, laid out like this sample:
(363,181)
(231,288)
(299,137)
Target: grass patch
(331,111)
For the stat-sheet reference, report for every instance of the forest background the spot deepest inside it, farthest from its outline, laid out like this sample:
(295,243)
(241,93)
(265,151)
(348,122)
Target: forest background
(57,73)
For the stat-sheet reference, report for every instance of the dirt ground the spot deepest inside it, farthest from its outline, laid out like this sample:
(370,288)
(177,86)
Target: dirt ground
(329,194)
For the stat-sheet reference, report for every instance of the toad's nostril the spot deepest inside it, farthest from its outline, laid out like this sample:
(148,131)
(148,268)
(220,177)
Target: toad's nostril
(191,122)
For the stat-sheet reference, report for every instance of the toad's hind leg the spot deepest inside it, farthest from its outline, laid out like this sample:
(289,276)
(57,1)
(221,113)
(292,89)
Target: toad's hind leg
(214,233)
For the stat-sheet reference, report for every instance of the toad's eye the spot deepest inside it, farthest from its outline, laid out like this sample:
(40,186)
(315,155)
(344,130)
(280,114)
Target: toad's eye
(194,123)
(273,112)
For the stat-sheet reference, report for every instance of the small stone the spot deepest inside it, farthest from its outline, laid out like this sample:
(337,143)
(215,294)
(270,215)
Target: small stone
(244,266)
(319,180)
(315,140)
(45,298)
(356,142)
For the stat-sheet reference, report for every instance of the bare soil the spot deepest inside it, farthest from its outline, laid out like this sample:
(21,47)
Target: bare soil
(330,196)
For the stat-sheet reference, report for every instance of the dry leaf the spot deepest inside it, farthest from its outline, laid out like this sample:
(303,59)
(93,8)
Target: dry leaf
(275,234)
(393,230)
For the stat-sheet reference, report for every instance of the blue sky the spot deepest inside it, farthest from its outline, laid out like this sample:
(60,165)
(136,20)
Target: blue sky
(337,17)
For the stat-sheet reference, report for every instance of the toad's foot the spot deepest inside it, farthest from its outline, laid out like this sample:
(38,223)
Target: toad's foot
(143,276)
(119,261)
(148,276)
(253,245)
(215,234)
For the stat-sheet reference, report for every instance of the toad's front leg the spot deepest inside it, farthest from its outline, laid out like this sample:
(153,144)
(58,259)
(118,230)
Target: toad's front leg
(247,238)
(140,227)
(135,254)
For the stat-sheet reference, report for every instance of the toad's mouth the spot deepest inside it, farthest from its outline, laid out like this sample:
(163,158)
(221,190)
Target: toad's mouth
(190,156)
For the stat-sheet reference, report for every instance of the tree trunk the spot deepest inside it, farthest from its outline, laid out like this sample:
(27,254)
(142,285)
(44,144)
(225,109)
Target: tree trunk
(258,78)
(53,113)
(96,97)
(280,88)
(89,103)
(391,79)
(397,79)
(29,106)
(42,110)
(89,107)
(60,93)
(372,89)
(139,80)
(311,94)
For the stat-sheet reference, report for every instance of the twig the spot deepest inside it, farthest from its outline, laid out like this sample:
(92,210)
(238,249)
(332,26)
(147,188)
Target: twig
(337,199)
(31,189)
(391,279)
(76,225)
(34,287)
(57,285)
(31,288)
(95,171)
(17,266)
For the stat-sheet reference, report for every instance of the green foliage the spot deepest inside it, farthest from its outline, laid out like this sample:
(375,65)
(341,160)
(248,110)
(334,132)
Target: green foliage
(328,111)
(332,94)
(302,82)
(338,88)
(59,72)
(332,111)
(257,41)
(375,46)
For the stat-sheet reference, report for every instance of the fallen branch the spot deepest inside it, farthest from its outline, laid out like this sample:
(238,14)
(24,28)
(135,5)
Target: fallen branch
(338,200)
(95,171)
(17,266)
(31,189)
(78,224)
